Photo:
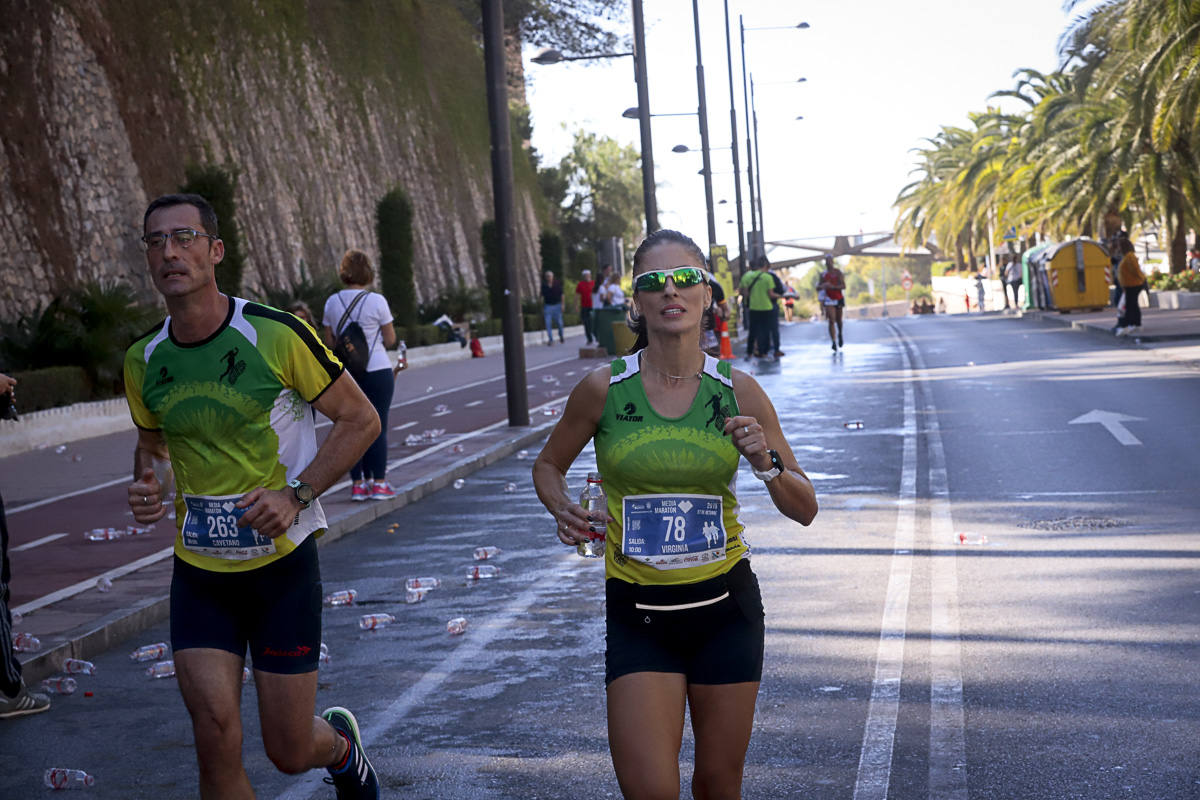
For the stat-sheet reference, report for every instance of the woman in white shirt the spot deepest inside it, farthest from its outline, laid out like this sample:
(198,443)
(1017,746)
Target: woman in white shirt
(372,314)
(611,293)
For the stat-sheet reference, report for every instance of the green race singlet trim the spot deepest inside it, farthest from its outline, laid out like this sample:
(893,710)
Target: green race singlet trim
(234,410)
(639,451)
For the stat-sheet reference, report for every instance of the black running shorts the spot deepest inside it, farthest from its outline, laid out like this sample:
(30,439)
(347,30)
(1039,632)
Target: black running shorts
(711,632)
(274,610)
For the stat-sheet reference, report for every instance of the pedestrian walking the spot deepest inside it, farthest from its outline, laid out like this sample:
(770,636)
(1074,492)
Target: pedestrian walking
(833,283)
(777,292)
(552,294)
(1131,279)
(585,289)
(357,305)
(220,391)
(757,288)
(684,618)
(1012,280)
(980,290)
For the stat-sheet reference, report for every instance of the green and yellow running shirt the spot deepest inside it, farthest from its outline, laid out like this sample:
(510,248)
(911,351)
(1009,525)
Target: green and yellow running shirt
(670,482)
(234,410)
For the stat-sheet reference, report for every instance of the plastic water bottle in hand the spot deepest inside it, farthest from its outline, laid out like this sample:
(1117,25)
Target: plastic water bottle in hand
(594,501)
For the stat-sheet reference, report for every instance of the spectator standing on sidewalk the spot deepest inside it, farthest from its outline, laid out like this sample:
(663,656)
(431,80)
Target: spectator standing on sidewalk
(584,289)
(552,302)
(776,295)
(1129,275)
(226,385)
(358,304)
(15,698)
(1012,280)
(757,287)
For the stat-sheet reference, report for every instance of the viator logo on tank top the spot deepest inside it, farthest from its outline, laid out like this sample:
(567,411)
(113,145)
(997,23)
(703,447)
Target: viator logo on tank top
(630,414)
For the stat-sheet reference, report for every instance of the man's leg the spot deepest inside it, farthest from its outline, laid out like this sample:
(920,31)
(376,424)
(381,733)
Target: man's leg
(295,740)
(546,321)
(210,681)
(837,315)
(830,312)
(585,316)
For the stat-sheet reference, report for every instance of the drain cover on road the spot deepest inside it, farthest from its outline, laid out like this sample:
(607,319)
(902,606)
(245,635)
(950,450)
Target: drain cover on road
(1073,524)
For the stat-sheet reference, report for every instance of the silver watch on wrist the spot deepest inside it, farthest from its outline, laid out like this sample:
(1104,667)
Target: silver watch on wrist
(768,475)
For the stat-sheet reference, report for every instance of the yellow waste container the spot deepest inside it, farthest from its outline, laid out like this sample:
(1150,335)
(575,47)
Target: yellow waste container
(1079,274)
(623,338)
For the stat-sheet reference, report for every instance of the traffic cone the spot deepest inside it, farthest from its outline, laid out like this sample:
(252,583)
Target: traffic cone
(726,345)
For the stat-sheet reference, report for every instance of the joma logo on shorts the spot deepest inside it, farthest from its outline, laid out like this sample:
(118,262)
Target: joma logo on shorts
(629,415)
(300,651)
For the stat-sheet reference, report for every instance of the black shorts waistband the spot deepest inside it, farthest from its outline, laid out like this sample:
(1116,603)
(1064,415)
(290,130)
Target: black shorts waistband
(679,597)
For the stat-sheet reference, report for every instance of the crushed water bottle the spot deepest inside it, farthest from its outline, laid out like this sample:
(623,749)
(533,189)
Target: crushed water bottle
(373,622)
(441,408)
(456,626)
(522,455)
(458,448)
(594,501)
(103,584)
(59,685)
(17,616)
(342,597)
(510,488)
(161,669)
(459,483)
(323,656)
(412,439)
(26,643)
(60,778)
(245,675)
(422,583)
(415,595)
(137,530)
(104,534)
(62,448)
(77,666)
(149,652)
(482,571)
(484,553)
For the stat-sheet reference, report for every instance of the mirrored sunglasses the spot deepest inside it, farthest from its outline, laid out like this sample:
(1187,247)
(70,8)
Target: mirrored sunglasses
(657,281)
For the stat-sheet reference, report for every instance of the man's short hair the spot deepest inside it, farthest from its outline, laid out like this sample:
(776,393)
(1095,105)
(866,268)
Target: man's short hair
(586,272)
(828,260)
(208,217)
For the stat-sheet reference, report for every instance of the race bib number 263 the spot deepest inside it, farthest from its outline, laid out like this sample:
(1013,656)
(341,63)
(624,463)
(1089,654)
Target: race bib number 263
(210,528)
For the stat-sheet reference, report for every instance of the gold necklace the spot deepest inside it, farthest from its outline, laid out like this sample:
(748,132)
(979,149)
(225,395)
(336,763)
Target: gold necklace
(668,375)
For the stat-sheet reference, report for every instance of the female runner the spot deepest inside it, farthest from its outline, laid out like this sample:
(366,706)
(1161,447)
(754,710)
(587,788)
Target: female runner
(684,613)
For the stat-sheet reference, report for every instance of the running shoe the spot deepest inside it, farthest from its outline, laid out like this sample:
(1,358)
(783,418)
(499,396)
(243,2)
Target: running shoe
(382,491)
(840,342)
(356,780)
(26,702)
(359,492)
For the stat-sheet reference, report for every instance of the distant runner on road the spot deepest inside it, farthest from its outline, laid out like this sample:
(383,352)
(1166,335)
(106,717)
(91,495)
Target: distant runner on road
(833,283)
(221,391)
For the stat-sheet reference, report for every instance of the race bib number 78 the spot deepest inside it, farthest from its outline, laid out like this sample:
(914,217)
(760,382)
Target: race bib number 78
(673,531)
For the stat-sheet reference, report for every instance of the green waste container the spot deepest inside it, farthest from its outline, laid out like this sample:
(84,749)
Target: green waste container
(602,326)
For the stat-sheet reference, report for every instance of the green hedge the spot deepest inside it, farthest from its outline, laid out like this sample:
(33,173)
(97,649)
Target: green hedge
(51,387)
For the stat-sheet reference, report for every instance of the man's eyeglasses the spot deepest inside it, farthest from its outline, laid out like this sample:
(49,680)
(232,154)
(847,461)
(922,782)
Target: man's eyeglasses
(183,238)
(657,281)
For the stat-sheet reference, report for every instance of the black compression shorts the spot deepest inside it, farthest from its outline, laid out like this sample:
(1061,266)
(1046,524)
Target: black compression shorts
(274,610)
(709,643)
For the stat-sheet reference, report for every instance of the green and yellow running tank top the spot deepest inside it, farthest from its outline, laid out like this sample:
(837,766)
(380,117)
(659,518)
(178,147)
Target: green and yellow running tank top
(641,453)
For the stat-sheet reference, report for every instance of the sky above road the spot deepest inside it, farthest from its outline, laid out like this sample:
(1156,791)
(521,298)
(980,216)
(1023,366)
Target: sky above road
(881,76)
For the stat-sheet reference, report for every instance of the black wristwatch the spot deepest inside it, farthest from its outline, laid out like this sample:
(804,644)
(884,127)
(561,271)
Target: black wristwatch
(768,475)
(304,493)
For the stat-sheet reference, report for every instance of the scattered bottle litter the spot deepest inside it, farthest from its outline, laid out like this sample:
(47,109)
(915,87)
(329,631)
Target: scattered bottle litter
(593,499)
(59,685)
(76,457)
(549,379)
(459,483)
(441,408)
(17,616)
(138,530)
(77,666)
(394,527)
(457,626)
(484,553)
(422,583)
(26,643)
(550,412)
(968,538)
(104,584)
(149,652)
(458,448)
(482,571)
(372,622)
(323,656)
(415,595)
(522,455)
(412,439)
(60,778)
(342,597)
(510,488)
(104,534)
(432,434)
(428,389)
(245,675)
(853,425)
(161,669)
(62,448)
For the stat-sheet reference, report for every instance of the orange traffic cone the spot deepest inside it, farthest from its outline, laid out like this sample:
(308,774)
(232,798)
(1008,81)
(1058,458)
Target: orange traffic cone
(726,345)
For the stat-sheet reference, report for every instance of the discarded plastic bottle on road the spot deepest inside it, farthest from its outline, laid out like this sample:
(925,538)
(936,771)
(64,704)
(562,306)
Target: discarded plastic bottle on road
(441,408)
(482,571)
(373,622)
(62,448)
(161,669)
(77,666)
(323,657)
(245,675)
(459,483)
(104,534)
(138,530)
(59,685)
(484,553)
(149,652)
(415,595)
(59,778)
(17,616)
(458,448)
(853,425)
(456,626)
(510,488)
(342,597)
(26,643)
(522,455)
(593,500)
(422,583)
(103,584)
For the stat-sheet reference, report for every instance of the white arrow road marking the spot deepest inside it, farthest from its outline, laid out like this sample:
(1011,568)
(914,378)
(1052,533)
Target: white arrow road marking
(1111,420)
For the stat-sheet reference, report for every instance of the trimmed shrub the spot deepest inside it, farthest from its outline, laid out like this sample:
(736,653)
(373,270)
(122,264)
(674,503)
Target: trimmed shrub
(218,185)
(51,387)
(393,229)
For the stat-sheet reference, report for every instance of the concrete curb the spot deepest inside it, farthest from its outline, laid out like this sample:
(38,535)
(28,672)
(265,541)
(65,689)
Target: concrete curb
(98,636)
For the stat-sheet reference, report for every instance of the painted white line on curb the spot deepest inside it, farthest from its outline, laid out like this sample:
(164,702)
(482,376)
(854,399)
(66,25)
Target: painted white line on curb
(879,734)
(405,425)
(38,542)
(84,585)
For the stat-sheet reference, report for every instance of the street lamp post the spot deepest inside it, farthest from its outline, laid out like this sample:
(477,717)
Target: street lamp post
(737,178)
(502,202)
(702,110)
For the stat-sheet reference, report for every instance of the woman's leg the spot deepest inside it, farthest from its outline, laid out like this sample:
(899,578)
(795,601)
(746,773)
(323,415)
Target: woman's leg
(722,718)
(645,731)
(377,386)
(1133,312)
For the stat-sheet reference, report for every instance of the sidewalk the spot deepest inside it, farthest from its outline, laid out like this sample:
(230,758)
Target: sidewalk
(1170,333)
(84,623)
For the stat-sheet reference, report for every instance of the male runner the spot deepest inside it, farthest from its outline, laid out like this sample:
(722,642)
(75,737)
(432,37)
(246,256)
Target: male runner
(221,391)
(833,283)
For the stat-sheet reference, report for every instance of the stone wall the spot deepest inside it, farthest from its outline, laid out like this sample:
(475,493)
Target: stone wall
(103,103)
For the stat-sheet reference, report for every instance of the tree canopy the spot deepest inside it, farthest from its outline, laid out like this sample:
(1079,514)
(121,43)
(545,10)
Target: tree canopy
(574,27)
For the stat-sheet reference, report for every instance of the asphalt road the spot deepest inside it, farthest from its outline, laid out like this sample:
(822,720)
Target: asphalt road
(992,603)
